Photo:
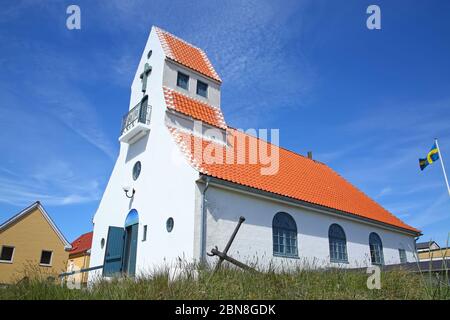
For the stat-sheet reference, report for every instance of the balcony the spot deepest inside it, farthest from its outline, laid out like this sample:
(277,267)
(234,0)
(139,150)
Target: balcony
(136,123)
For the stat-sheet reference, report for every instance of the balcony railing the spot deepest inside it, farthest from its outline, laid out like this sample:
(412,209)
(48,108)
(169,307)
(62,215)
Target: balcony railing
(139,114)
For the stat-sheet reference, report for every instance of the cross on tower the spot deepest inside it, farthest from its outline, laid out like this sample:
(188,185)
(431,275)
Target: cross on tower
(144,76)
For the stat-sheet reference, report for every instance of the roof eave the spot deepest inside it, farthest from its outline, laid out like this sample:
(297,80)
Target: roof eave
(37,204)
(273,196)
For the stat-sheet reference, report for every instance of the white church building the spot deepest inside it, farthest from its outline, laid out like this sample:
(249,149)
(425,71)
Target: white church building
(183,178)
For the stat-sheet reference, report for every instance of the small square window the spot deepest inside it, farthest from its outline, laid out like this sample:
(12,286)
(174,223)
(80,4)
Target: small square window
(202,89)
(183,81)
(46,258)
(7,253)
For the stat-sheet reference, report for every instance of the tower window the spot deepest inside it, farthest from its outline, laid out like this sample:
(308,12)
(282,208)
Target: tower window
(202,89)
(183,80)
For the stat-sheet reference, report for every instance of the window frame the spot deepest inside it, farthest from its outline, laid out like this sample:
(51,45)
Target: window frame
(144,233)
(402,254)
(288,235)
(136,171)
(169,227)
(380,253)
(206,90)
(12,255)
(51,259)
(179,73)
(337,240)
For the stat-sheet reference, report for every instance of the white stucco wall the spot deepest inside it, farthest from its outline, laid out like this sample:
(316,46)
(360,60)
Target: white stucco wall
(254,240)
(164,188)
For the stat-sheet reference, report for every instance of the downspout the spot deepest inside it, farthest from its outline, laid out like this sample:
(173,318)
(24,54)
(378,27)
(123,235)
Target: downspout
(203,224)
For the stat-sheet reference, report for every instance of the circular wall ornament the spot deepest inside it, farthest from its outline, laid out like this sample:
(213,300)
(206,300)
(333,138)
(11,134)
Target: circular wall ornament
(169,224)
(136,170)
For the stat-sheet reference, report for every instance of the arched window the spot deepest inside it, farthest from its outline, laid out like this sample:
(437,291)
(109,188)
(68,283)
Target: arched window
(132,218)
(376,249)
(284,230)
(338,243)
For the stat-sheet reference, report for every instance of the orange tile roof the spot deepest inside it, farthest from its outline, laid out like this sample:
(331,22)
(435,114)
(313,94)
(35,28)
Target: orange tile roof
(194,108)
(298,177)
(186,54)
(82,244)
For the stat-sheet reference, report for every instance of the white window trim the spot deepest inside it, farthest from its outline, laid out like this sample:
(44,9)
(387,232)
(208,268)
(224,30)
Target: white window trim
(51,259)
(12,257)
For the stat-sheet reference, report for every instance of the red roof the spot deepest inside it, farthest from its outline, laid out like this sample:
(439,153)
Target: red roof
(194,108)
(298,177)
(82,244)
(186,54)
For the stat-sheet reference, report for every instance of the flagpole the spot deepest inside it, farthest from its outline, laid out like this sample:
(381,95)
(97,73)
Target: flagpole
(442,164)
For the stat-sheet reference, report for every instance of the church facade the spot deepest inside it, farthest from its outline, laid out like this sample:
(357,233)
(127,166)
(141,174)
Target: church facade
(183,178)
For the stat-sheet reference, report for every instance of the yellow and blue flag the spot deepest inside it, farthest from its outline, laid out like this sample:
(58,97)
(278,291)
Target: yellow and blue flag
(432,156)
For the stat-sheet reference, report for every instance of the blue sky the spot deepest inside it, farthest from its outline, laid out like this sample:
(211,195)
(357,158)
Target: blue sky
(367,103)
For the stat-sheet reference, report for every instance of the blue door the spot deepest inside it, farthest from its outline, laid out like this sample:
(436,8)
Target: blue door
(131,240)
(114,252)
(131,233)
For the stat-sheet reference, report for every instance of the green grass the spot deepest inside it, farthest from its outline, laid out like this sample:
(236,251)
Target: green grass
(236,284)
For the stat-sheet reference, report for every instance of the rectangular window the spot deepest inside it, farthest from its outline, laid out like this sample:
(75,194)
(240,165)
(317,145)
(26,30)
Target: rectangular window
(7,253)
(183,80)
(46,258)
(202,89)
(144,236)
(402,254)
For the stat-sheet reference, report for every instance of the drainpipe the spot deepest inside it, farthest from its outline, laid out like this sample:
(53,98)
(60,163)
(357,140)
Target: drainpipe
(203,224)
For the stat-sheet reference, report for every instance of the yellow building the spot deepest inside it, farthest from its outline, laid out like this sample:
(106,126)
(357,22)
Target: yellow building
(79,257)
(431,251)
(31,246)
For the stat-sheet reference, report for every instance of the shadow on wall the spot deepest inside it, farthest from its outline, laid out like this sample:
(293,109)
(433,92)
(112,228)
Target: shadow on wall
(137,148)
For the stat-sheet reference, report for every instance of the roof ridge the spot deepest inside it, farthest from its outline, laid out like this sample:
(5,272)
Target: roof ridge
(178,38)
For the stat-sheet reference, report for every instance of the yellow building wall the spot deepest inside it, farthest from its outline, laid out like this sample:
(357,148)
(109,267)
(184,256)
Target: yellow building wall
(435,254)
(29,236)
(77,263)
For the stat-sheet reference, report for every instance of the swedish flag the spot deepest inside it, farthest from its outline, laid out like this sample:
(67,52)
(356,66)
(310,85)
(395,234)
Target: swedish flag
(432,156)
